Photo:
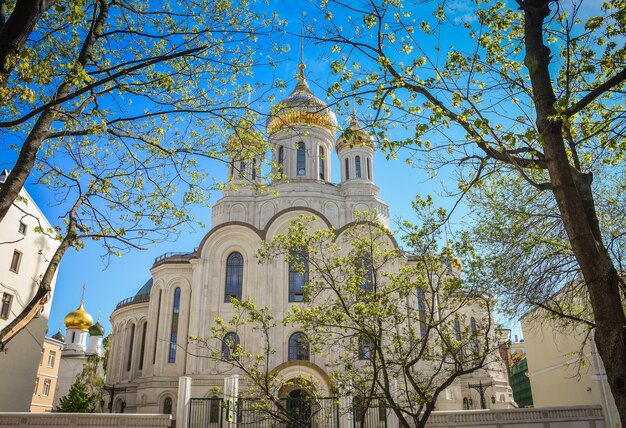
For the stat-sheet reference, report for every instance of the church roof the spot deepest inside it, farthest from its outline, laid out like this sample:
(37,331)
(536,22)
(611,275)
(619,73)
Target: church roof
(145,289)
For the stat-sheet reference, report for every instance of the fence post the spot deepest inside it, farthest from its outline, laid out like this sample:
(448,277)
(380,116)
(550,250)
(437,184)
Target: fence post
(183,405)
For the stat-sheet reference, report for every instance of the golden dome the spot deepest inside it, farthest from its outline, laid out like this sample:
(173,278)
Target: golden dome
(301,107)
(79,319)
(354,135)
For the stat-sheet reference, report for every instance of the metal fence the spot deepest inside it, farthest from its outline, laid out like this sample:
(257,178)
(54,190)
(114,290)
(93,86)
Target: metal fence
(291,412)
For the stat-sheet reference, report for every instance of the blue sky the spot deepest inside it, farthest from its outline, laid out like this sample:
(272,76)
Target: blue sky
(109,281)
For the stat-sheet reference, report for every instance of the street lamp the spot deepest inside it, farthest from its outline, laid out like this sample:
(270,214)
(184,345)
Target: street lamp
(481,388)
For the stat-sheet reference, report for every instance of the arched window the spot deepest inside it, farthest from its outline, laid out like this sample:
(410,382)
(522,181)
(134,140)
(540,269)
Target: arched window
(281,159)
(142,348)
(242,169)
(298,275)
(253,169)
(357,167)
(457,335)
(231,170)
(421,308)
(301,159)
(298,347)
(457,329)
(367,272)
(229,345)
(131,343)
(474,332)
(156,330)
(234,277)
(167,406)
(365,348)
(321,163)
(369,169)
(174,330)
(120,405)
(347,169)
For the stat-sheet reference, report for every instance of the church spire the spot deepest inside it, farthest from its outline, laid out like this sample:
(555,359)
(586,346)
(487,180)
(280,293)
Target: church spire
(302,84)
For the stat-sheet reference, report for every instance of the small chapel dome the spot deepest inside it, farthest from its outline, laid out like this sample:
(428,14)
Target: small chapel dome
(96,329)
(79,319)
(354,135)
(301,107)
(450,259)
(58,336)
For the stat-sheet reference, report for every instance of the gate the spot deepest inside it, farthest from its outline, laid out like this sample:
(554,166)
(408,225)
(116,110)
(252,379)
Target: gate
(374,415)
(297,412)
(206,412)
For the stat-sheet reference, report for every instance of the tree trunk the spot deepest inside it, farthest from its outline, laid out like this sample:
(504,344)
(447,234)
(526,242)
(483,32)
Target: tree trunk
(573,195)
(10,189)
(28,154)
(16,30)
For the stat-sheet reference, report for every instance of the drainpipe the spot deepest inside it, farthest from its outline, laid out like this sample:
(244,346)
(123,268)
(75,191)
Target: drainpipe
(602,376)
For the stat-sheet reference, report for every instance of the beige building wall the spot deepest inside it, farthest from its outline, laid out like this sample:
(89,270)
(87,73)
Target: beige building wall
(564,369)
(47,376)
(24,255)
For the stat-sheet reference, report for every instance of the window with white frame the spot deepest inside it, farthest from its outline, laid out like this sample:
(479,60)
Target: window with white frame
(51,358)
(46,388)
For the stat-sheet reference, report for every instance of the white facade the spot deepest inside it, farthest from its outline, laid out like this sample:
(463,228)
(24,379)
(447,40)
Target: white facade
(24,256)
(187,291)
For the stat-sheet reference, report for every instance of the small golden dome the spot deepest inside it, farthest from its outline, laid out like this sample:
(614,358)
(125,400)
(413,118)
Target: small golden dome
(450,259)
(354,135)
(301,107)
(79,319)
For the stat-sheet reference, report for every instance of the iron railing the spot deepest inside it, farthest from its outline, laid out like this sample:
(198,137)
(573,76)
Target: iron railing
(291,412)
(141,298)
(174,256)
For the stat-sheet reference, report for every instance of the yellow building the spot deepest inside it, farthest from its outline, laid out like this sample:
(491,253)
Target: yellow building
(564,366)
(47,374)
(517,351)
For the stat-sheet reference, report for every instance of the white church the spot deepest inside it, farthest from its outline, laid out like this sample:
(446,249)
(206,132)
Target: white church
(150,352)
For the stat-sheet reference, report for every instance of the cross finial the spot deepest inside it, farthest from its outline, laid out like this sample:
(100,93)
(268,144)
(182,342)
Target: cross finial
(82,297)
(301,66)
